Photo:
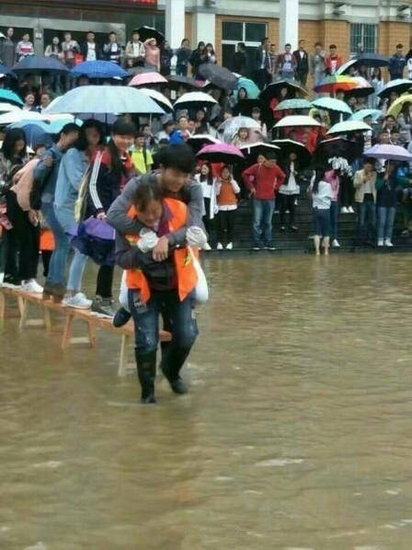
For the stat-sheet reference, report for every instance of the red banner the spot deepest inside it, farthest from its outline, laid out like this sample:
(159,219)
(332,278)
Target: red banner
(115,3)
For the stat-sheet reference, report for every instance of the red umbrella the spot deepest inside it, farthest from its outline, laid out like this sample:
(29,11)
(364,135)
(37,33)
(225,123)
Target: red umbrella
(221,152)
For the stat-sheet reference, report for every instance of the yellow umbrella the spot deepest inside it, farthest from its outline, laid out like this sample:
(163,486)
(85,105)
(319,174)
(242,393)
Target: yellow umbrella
(397,105)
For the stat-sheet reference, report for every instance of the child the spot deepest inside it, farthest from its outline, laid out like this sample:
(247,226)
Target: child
(227,189)
(241,137)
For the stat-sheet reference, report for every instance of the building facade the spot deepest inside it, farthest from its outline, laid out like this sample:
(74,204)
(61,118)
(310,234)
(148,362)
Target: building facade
(378,25)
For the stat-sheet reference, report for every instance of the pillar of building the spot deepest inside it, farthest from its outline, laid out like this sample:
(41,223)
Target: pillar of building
(204,27)
(175,22)
(288,23)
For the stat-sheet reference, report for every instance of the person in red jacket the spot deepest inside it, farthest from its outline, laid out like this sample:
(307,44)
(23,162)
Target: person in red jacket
(263,180)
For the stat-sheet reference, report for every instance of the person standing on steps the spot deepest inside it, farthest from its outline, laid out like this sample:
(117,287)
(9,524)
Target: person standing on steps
(263,181)
(161,280)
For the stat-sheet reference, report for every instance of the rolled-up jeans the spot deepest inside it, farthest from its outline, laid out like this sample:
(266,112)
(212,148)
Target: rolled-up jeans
(66,219)
(262,221)
(57,267)
(178,317)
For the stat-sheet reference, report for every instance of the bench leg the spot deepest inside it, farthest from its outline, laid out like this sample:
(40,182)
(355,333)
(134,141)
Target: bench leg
(125,366)
(2,305)
(22,303)
(92,333)
(47,318)
(67,332)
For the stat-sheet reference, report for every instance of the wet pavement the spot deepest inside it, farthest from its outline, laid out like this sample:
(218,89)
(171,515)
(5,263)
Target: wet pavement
(295,435)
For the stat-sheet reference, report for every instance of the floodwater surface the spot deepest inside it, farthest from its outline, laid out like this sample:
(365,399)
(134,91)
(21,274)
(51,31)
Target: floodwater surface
(296,433)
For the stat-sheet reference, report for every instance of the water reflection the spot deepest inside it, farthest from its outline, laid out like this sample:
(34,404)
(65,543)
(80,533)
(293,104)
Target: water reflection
(295,433)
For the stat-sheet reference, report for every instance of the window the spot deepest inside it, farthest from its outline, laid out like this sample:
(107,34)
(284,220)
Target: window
(365,35)
(249,33)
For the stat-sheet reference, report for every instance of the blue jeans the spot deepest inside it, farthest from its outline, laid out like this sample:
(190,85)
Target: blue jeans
(58,258)
(178,317)
(66,219)
(333,220)
(386,219)
(262,221)
(366,222)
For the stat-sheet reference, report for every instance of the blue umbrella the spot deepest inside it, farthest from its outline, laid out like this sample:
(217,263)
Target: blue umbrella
(39,64)
(251,89)
(56,126)
(362,113)
(104,99)
(10,97)
(99,69)
(36,134)
(287,104)
(4,69)
(332,104)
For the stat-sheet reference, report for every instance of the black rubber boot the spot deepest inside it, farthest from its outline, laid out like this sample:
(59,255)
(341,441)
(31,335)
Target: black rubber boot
(146,372)
(172,361)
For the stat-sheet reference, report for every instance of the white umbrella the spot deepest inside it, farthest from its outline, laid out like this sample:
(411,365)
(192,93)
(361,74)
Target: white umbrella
(17,116)
(349,126)
(343,68)
(8,107)
(158,97)
(388,152)
(104,99)
(229,127)
(195,98)
(296,120)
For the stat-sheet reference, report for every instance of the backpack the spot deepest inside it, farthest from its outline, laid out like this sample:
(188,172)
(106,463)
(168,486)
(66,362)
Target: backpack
(92,171)
(39,185)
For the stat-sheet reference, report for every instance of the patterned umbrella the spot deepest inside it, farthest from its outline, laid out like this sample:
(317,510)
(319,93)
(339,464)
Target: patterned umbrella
(331,84)
(99,69)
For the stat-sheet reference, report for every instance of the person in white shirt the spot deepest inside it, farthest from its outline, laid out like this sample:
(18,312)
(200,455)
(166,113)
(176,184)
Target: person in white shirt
(288,192)
(90,49)
(321,193)
(135,51)
(209,191)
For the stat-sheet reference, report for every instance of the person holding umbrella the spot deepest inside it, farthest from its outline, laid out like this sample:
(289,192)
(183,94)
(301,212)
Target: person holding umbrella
(263,181)
(151,54)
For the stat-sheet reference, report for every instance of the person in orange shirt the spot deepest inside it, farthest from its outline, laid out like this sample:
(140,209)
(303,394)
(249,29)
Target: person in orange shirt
(227,189)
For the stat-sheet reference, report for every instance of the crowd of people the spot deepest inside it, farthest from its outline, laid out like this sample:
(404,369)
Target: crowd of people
(334,174)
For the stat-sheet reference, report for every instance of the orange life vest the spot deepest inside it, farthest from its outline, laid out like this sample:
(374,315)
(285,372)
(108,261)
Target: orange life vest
(185,271)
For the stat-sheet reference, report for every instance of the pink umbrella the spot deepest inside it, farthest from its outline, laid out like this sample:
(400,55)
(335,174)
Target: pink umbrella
(221,152)
(144,79)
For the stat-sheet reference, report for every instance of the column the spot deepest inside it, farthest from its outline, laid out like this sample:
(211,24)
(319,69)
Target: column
(175,22)
(204,28)
(288,23)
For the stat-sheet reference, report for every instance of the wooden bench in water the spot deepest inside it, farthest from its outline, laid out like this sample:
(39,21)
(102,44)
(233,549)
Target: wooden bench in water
(92,321)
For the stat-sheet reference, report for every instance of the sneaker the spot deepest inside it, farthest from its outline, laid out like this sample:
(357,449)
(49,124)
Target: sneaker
(229,246)
(283,228)
(207,247)
(256,248)
(78,301)
(219,246)
(294,228)
(103,306)
(344,210)
(31,286)
(121,317)
(380,242)
(270,247)
(351,210)
(335,243)
(388,243)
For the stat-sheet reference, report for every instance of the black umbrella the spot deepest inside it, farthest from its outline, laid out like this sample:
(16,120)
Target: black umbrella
(335,147)
(39,64)
(245,106)
(176,81)
(372,60)
(399,85)
(273,90)
(198,141)
(288,146)
(218,76)
(5,70)
(150,32)
(253,150)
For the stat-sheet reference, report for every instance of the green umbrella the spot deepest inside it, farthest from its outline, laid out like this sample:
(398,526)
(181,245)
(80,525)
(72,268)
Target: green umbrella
(251,89)
(289,104)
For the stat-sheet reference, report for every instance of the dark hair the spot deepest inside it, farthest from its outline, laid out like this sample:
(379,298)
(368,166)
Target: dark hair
(68,128)
(139,135)
(288,44)
(11,137)
(241,45)
(209,177)
(318,44)
(264,39)
(225,167)
(82,144)
(332,46)
(399,45)
(179,156)
(147,192)
(112,33)
(123,128)
(319,173)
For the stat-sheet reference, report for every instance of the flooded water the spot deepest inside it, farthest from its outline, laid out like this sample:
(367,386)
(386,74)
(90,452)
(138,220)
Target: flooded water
(296,433)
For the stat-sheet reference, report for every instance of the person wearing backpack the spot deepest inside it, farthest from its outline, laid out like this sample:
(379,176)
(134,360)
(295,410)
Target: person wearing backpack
(74,171)
(45,178)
